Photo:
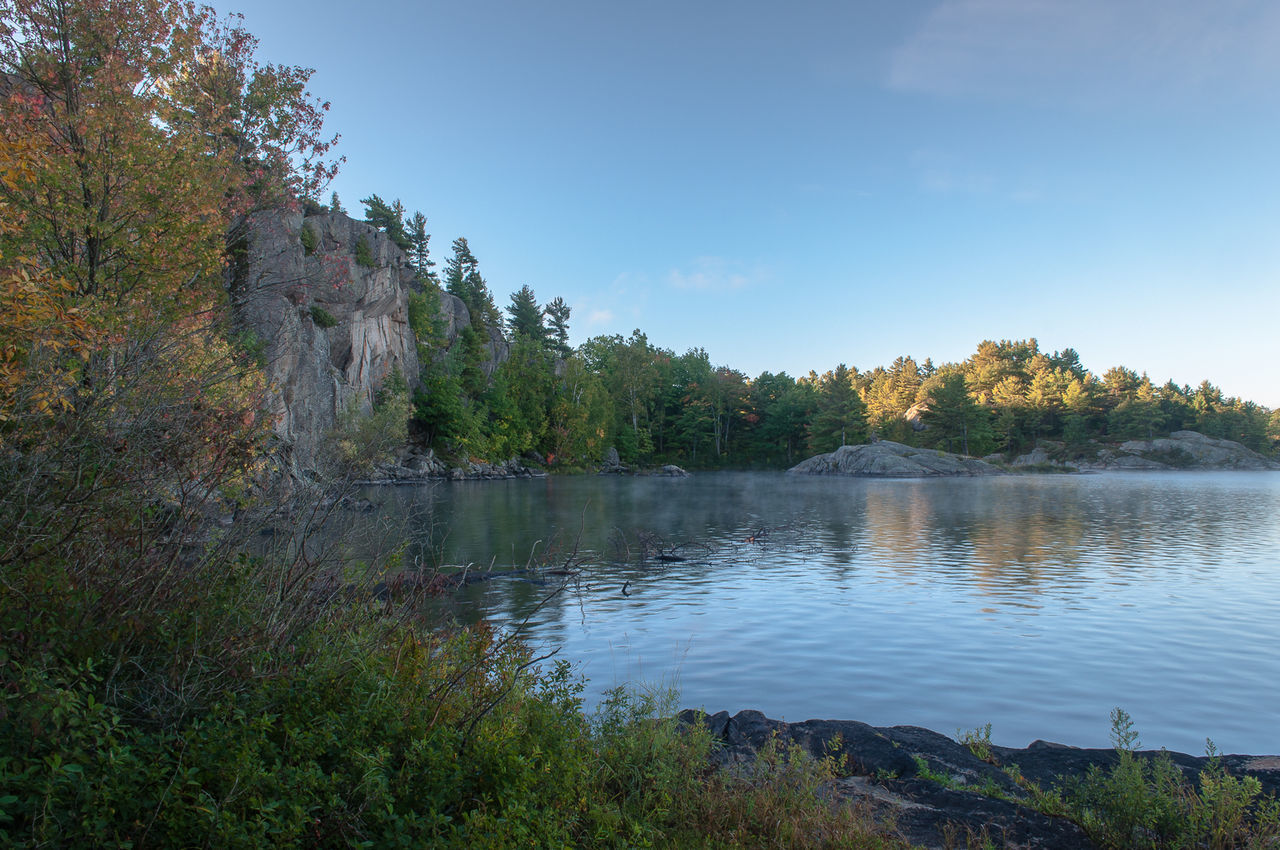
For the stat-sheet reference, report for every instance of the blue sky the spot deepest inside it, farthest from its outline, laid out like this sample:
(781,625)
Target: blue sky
(791,186)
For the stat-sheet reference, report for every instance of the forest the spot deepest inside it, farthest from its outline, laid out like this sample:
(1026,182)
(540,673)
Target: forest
(565,406)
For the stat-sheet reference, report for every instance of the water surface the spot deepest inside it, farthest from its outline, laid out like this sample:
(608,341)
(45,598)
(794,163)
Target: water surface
(1035,603)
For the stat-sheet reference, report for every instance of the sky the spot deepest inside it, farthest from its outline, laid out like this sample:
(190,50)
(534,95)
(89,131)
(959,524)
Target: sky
(792,186)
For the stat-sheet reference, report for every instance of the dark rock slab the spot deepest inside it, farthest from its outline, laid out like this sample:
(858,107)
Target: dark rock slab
(938,792)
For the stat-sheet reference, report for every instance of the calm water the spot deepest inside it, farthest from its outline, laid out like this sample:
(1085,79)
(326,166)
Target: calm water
(1035,603)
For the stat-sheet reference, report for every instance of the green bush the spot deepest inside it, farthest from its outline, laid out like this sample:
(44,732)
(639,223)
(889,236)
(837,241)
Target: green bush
(322,317)
(1148,803)
(364,256)
(309,240)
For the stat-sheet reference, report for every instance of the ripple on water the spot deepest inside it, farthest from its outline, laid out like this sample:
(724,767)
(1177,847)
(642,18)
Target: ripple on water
(1034,603)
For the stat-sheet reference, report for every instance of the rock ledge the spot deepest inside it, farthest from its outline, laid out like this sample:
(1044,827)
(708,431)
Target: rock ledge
(886,459)
(883,767)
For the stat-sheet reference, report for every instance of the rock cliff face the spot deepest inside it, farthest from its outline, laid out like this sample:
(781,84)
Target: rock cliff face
(328,298)
(886,459)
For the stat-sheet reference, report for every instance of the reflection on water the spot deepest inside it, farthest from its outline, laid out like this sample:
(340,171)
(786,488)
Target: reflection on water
(1034,603)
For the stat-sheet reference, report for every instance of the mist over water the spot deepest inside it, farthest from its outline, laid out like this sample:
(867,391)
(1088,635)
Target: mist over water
(1035,603)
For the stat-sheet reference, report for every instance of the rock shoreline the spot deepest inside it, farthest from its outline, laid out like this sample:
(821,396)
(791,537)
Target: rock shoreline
(887,459)
(883,768)
(1181,450)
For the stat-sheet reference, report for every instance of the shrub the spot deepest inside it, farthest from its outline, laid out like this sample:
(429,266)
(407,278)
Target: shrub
(309,240)
(1146,802)
(322,317)
(364,256)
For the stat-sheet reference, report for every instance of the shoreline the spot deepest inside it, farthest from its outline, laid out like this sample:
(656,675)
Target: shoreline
(936,788)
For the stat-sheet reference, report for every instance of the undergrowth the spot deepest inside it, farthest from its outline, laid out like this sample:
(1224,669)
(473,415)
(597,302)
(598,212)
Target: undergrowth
(1146,800)
(1143,802)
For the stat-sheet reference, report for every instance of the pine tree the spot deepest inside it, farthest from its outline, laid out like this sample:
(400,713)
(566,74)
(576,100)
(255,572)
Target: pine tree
(526,316)
(841,419)
(955,420)
(462,279)
(335,205)
(558,318)
(419,251)
(387,218)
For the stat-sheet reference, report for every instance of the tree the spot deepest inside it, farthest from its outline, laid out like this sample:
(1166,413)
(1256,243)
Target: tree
(841,418)
(890,394)
(1120,383)
(420,250)
(558,318)
(388,218)
(526,316)
(580,414)
(953,417)
(335,205)
(630,371)
(462,279)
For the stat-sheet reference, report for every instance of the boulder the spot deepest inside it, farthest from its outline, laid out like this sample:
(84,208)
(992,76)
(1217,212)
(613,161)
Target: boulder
(886,459)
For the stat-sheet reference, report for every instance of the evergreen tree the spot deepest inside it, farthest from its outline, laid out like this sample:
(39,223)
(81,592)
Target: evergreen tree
(955,420)
(558,317)
(841,419)
(335,205)
(526,316)
(462,279)
(420,251)
(387,218)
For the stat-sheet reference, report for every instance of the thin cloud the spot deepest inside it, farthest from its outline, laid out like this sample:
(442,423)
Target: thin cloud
(716,274)
(1092,52)
(599,317)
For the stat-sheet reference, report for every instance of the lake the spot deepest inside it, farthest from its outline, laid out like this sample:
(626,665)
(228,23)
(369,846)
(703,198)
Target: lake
(1034,603)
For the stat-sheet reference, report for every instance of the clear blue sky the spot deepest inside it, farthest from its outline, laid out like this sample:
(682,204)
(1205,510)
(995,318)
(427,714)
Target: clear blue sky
(795,185)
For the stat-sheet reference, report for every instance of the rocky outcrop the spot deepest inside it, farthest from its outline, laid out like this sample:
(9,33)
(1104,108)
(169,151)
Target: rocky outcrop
(1180,450)
(327,298)
(416,465)
(612,465)
(886,459)
(936,789)
(1193,450)
(333,329)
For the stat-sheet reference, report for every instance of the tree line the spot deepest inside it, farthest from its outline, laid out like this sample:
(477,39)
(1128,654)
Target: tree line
(568,404)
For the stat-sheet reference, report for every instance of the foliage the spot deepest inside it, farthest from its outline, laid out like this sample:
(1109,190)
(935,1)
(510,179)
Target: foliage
(1148,802)
(955,421)
(322,317)
(309,240)
(526,316)
(841,418)
(978,741)
(426,323)
(364,255)
(420,251)
(558,326)
(366,436)
(389,219)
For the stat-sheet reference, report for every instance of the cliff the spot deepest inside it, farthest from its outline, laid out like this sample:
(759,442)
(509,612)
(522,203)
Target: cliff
(327,297)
